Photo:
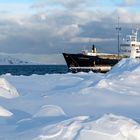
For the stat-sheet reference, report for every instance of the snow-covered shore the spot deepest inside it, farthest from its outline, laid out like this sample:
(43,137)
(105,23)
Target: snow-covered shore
(82,106)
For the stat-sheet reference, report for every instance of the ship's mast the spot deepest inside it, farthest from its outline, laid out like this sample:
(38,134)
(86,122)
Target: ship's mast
(118,36)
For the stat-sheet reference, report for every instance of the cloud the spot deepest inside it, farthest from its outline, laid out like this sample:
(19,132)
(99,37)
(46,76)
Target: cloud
(129,2)
(13,10)
(64,26)
(88,39)
(68,4)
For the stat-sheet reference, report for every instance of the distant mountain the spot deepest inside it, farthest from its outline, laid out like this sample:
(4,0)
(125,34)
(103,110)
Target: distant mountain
(8,60)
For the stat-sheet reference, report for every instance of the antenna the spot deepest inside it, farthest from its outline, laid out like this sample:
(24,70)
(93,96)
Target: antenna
(136,33)
(118,36)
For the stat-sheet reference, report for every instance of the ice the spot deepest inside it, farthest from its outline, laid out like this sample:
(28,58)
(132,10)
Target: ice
(4,112)
(108,127)
(82,106)
(64,130)
(7,90)
(50,111)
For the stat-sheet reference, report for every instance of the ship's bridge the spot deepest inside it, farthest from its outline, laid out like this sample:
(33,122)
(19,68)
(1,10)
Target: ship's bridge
(131,38)
(130,46)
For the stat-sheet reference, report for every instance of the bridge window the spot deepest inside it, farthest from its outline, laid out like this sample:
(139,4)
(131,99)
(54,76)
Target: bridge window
(133,39)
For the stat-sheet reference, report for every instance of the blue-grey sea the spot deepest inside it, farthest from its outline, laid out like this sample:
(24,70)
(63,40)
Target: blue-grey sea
(33,69)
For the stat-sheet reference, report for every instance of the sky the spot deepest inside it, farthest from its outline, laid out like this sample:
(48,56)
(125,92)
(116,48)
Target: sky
(40,30)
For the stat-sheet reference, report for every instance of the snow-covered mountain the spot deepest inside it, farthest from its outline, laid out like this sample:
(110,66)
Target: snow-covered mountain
(8,60)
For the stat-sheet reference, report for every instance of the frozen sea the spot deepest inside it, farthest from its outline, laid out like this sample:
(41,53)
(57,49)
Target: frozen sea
(66,106)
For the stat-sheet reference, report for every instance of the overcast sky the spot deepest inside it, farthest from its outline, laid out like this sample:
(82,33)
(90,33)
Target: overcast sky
(41,30)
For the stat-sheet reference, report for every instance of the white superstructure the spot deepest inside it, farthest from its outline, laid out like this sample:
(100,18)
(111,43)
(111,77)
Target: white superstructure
(93,52)
(130,46)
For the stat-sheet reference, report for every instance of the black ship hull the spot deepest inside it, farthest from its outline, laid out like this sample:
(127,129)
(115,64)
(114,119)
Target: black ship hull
(81,62)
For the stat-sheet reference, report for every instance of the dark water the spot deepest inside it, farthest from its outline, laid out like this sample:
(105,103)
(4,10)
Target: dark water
(33,69)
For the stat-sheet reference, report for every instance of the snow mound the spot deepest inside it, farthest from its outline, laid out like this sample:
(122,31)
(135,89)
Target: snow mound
(125,65)
(50,111)
(4,112)
(65,130)
(123,78)
(112,127)
(7,90)
(103,84)
(108,127)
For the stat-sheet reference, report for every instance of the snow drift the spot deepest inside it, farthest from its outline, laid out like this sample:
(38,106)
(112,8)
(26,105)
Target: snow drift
(108,127)
(4,112)
(73,106)
(7,90)
(50,111)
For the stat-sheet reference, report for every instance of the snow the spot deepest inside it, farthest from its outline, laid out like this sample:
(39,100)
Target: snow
(82,106)
(8,60)
(49,111)
(108,127)
(4,112)
(7,90)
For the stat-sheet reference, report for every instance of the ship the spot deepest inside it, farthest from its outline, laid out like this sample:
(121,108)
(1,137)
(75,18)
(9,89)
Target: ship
(103,62)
